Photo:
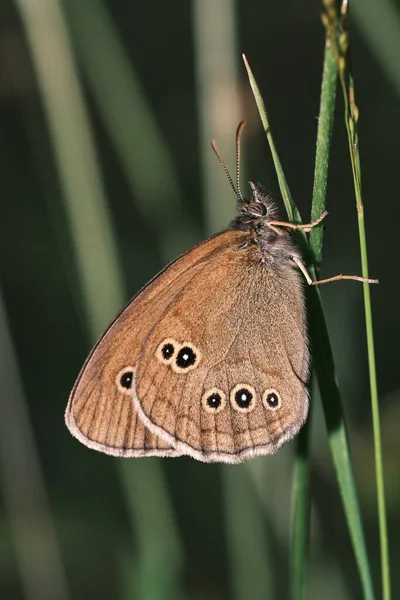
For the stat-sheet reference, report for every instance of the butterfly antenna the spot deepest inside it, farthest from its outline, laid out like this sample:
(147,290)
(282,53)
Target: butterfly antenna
(238,136)
(225,168)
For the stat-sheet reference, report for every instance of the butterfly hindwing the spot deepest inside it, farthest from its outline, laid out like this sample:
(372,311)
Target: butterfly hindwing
(235,334)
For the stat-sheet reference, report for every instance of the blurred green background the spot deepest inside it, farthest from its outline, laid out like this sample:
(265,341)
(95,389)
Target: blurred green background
(107,110)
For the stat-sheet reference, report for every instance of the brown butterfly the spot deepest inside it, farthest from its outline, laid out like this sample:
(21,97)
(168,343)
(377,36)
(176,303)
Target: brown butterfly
(210,359)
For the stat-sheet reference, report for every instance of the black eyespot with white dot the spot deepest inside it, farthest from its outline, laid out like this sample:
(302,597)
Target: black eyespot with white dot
(272,400)
(187,358)
(124,380)
(167,350)
(243,397)
(214,400)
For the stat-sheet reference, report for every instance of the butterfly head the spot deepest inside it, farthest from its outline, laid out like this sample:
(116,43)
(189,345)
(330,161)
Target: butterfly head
(258,215)
(256,210)
(260,206)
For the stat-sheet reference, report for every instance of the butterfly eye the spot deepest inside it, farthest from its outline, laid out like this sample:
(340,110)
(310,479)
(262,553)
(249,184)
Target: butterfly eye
(271,400)
(187,358)
(256,209)
(167,350)
(243,397)
(124,380)
(214,401)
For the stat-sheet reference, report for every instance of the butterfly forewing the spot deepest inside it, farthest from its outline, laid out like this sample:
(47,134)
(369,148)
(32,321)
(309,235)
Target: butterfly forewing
(100,411)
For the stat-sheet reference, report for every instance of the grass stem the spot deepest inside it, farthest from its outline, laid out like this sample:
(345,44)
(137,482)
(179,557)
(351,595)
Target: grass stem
(325,371)
(336,26)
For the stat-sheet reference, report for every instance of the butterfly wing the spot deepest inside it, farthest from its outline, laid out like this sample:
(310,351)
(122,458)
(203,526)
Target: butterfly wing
(222,374)
(100,411)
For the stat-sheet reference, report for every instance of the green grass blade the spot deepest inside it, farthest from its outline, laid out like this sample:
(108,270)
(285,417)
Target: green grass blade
(290,206)
(324,134)
(301,476)
(338,440)
(300,525)
(324,368)
(94,242)
(336,25)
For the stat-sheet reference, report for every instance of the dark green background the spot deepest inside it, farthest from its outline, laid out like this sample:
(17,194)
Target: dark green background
(284,43)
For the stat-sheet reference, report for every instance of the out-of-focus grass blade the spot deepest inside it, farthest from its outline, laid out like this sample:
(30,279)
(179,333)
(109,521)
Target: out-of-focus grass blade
(94,242)
(324,367)
(92,235)
(379,22)
(251,575)
(336,25)
(219,114)
(159,565)
(23,488)
(131,125)
(219,102)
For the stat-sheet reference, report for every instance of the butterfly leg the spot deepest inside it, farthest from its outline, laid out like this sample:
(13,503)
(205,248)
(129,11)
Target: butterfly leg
(305,226)
(303,269)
